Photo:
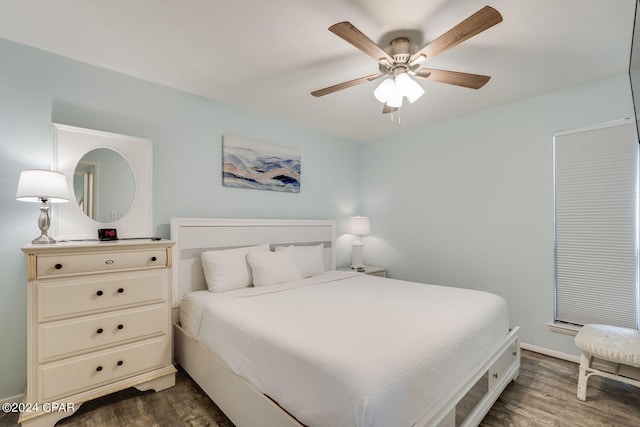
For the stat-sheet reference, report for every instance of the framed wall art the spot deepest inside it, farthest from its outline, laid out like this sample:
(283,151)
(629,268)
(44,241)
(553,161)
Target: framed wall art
(251,164)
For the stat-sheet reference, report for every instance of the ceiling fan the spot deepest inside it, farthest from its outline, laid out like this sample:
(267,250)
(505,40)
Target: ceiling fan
(400,60)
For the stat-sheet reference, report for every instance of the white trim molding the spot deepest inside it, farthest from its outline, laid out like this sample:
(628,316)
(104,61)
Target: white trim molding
(12,399)
(564,328)
(549,352)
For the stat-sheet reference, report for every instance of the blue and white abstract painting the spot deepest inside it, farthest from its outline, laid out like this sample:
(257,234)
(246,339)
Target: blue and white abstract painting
(250,164)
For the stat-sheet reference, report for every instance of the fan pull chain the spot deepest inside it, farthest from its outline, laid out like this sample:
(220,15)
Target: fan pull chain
(392,117)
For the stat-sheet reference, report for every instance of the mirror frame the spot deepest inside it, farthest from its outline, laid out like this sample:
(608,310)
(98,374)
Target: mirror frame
(70,144)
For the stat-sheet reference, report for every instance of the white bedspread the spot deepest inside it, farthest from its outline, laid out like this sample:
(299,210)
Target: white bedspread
(345,349)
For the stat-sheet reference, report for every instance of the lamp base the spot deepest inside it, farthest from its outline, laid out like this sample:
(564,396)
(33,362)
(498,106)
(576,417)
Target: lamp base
(43,224)
(356,256)
(43,240)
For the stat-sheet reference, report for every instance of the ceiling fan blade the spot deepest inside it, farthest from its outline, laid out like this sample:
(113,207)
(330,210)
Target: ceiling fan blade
(386,109)
(351,34)
(344,85)
(472,81)
(482,20)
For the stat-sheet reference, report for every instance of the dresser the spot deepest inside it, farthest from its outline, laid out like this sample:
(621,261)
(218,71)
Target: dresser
(99,321)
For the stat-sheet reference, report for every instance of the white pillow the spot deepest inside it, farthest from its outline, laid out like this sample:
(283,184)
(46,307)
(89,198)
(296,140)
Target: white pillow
(271,268)
(309,259)
(228,269)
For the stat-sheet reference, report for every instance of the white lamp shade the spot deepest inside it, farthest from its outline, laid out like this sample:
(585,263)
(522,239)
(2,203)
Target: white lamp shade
(414,91)
(358,225)
(395,100)
(384,90)
(35,185)
(408,87)
(402,83)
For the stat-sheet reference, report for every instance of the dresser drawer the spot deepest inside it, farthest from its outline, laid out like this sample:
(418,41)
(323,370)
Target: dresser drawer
(69,264)
(60,298)
(59,379)
(499,369)
(79,335)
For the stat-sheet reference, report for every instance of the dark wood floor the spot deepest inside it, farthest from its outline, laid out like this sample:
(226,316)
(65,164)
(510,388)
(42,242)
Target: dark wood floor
(543,395)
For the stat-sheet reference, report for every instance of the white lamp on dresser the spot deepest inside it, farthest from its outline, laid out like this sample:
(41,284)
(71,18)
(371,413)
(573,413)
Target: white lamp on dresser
(358,225)
(44,187)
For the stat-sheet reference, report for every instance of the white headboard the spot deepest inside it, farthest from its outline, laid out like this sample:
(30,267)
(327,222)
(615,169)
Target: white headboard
(196,235)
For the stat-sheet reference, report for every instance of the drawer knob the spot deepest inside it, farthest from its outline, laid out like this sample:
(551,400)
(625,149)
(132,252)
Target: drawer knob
(495,375)
(120,326)
(154,259)
(120,290)
(58,266)
(99,331)
(109,261)
(99,293)
(99,368)
(120,363)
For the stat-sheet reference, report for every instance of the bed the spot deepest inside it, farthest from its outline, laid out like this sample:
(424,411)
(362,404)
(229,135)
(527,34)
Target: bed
(333,348)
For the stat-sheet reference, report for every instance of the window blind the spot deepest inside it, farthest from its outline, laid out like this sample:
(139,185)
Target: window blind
(596,220)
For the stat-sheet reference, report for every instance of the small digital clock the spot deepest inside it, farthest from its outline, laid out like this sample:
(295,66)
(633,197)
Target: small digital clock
(107,234)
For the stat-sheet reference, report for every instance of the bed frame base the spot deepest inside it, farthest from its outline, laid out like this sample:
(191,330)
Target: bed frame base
(241,403)
(246,407)
(475,398)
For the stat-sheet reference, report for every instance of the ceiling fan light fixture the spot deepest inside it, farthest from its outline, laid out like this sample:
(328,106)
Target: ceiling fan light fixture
(414,91)
(395,100)
(402,60)
(403,82)
(384,90)
(408,87)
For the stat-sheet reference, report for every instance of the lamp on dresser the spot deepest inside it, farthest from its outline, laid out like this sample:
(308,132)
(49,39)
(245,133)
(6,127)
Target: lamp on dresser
(358,225)
(44,187)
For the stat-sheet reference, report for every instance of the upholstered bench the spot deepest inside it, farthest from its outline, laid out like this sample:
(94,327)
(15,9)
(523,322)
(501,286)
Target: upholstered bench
(610,352)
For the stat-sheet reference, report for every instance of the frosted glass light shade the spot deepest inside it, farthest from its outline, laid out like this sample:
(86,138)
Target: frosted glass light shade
(408,87)
(384,90)
(358,225)
(35,185)
(414,91)
(395,100)
(391,91)
(402,83)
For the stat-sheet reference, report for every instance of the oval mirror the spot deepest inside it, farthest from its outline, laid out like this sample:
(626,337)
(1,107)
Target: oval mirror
(104,185)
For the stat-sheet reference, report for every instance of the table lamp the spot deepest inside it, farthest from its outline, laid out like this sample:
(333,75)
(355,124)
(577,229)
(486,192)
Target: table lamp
(44,187)
(358,225)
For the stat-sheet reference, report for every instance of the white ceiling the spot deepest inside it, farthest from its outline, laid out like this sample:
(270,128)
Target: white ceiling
(268,55)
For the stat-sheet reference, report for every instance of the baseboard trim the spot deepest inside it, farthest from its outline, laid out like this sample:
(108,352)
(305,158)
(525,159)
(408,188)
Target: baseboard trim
(12,399)
(549,352)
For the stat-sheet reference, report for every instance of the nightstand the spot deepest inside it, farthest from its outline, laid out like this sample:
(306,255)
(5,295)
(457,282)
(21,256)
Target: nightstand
(370,270)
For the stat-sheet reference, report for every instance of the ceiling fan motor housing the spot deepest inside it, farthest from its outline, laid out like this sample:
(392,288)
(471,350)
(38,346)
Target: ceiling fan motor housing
(400,49)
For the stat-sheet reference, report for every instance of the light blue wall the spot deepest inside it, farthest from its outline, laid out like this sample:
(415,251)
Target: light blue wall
(469,202)
(37,88)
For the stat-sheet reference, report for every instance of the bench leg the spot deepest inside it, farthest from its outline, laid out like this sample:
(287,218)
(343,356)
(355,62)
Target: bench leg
(583,376)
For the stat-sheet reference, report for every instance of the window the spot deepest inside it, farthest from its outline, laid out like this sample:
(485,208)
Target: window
(596,225)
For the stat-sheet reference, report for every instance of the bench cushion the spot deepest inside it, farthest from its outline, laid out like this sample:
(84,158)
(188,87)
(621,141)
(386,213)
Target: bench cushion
(619,345)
